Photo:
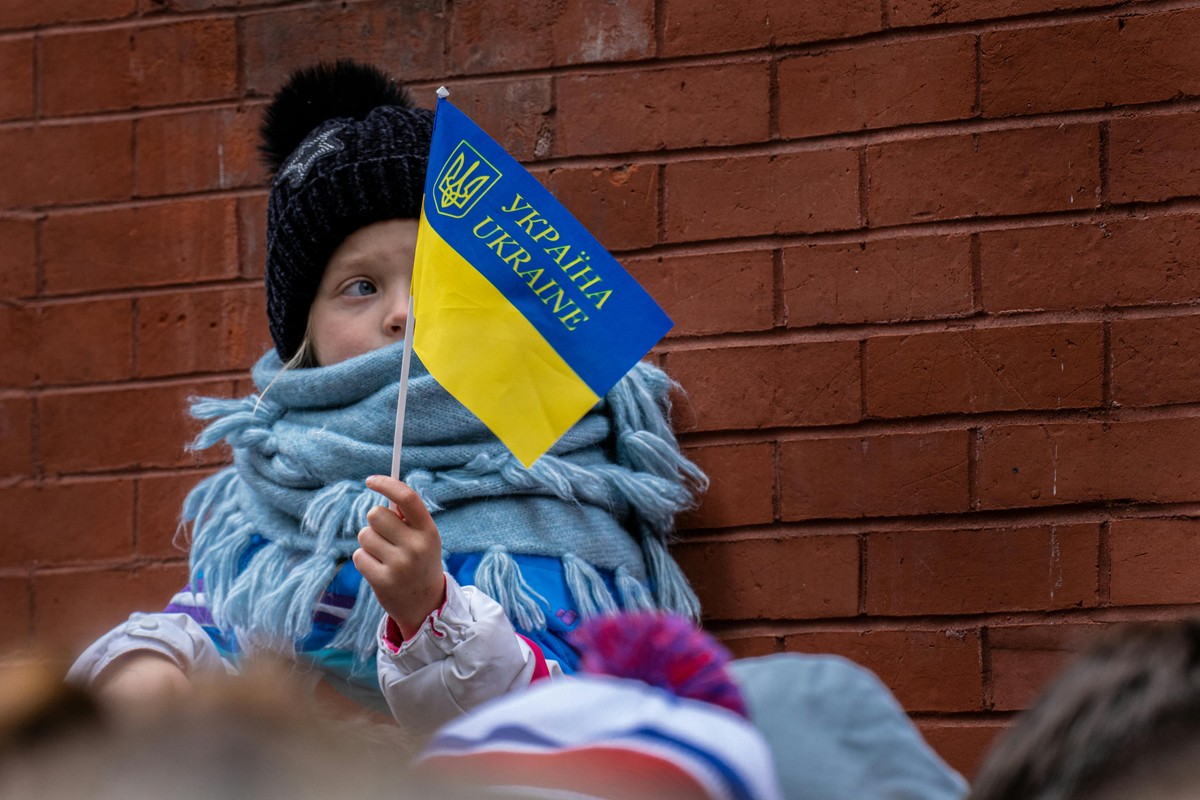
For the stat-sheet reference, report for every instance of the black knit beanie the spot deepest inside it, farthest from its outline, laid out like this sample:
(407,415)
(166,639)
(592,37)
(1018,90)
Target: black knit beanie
(347,149)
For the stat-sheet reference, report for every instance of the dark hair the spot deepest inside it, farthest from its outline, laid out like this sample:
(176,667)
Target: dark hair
(1127,711)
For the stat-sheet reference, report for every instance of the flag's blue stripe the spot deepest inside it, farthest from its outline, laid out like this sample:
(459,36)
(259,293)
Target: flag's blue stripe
(615,336)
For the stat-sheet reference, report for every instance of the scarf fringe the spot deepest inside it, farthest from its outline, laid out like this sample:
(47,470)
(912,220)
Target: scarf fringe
(499,577)
(671,588)
(243,422)
(587,587)
(648,452)
(633,593)
(655,498)
(261,623)
(360,631)
(336,514)
(213,507)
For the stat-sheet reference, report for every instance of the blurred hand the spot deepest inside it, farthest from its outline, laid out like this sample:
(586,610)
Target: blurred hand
(141,678)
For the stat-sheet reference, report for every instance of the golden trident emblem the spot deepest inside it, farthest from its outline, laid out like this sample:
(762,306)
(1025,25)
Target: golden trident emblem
(458,186)
(462,182)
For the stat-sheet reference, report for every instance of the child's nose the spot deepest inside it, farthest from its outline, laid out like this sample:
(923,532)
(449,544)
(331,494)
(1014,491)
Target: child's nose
(397,316)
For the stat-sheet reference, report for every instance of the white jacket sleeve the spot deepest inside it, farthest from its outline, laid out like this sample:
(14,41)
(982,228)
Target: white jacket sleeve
(464,654)
(176,636)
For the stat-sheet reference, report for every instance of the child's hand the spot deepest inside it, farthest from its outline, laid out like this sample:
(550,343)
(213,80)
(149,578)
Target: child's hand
(400,555)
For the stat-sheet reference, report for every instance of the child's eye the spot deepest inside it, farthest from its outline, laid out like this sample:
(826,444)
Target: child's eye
(360,289)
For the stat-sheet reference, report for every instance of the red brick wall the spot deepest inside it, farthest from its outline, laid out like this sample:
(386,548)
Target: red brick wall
(934,266)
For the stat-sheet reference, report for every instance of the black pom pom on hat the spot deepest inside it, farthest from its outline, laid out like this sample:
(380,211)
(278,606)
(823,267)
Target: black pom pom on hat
(347,149)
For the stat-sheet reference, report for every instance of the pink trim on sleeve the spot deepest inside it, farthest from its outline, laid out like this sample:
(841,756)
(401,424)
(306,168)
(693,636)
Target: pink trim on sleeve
(540,670)
(392,635)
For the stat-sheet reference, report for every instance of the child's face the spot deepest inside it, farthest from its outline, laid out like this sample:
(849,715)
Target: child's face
(362,302)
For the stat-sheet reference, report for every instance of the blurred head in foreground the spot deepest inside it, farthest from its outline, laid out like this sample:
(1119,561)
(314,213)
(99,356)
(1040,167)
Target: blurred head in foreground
(1123,721)
(252,738)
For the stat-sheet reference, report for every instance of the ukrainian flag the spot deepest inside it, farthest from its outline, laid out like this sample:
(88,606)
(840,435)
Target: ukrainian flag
(519,312)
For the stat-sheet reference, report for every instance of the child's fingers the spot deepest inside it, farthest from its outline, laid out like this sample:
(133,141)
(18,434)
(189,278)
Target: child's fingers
(408,503)
(389,527)
(376,544)
(368,566)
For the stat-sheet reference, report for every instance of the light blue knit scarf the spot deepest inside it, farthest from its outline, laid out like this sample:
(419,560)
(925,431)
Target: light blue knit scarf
(604,497)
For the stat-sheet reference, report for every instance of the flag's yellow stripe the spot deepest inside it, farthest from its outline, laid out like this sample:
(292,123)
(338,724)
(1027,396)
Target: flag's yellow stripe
(485,353)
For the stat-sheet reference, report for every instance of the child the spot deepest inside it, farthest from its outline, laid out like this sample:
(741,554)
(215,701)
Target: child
(580,533)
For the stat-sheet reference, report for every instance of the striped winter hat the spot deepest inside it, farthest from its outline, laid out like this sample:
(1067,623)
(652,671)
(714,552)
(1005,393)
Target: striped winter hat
(618,738)
(603,737)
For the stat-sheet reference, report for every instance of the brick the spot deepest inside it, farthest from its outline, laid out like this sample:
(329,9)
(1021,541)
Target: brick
(207,46)
(67,163)
(144,427)
(18,258)
(41,525)
(619,206)
(218,330)
(741,485)
(993,369)
(16,437)
(756,195)
(16,78)
(106,83)
(1037,465)
(1093,64)
(1026,658)
(864,476)
(152,245)
(408,38)
(158,512)
(1154,158)
(711,293)
(252,235)
(878,281)
(197,151)
(744,387)
(18,345)
(15,621)
(72,609)
(751,646)
(1151,561)
(84,342)
(694,28)
(23,14)
(913,573)
(243,386)
(202,5)
(741,580)
(1154,360)
(995,173)
(903,13)
(511,35)
(657,109)
(962,745)
(877,86)
(926,670)
(516,113)
(1120,262)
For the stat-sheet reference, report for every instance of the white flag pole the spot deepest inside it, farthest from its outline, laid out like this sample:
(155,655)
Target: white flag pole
(402,400)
